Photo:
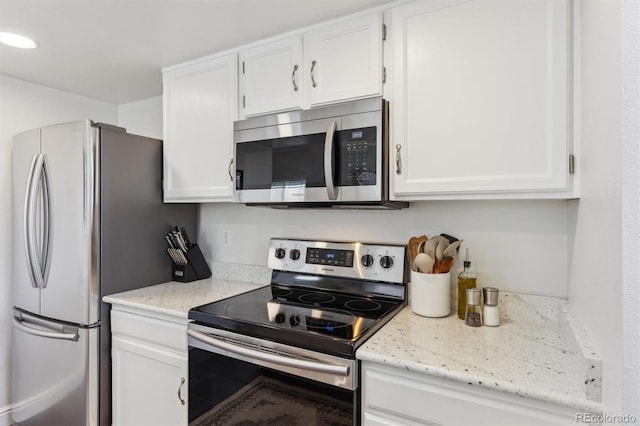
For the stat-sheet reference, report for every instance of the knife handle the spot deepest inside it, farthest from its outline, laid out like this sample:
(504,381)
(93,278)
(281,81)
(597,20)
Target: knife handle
(185,236)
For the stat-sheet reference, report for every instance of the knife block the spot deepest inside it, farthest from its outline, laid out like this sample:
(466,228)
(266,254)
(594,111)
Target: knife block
(196,267)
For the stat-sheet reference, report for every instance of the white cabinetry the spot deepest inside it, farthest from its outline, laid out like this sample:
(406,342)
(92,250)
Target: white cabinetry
(331,63)
(150,369)
(481,99)
(392,396)
(271,76)
(200,106)
(344,60)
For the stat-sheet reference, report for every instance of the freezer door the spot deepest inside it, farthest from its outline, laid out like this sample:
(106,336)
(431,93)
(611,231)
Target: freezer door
(26,148)
(54,376)
(71,291)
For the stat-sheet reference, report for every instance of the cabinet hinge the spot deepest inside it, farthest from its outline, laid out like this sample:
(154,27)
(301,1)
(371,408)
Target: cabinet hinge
(244,102)
(572,164)
(384,32)
(384,74)
(242,67)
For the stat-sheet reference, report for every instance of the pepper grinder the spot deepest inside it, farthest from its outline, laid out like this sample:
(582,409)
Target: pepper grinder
(473,316)
(491,313)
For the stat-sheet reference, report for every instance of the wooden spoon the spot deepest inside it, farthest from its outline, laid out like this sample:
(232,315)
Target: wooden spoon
(424,262)
(430,247)
(422,239)
(411,251)
(446,264)
(442,244)
(452,249)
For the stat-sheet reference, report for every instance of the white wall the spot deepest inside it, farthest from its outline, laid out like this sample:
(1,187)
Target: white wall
(143,117)
(631,206)
(517,246)
(24,106)
(595,221)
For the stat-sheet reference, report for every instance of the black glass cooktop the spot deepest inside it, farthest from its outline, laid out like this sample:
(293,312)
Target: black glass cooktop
(327,321)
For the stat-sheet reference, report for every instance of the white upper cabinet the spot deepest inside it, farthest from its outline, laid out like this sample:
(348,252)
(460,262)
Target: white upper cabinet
(200,106)
(271,77)
(481,100)
(331,63)
(343,60)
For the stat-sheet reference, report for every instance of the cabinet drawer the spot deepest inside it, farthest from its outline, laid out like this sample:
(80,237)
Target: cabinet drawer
(158,332)
(415,397)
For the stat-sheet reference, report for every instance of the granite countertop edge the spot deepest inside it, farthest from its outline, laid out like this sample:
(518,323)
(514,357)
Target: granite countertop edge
(482,381)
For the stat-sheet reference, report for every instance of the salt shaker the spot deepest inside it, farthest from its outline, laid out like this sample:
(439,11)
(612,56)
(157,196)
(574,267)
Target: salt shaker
(491,313)
(473,316)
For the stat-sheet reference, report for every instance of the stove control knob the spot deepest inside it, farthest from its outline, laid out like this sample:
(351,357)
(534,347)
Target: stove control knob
(366,260)
(280,253)
(294,320)
(280,318)
(294,254)
(386,262)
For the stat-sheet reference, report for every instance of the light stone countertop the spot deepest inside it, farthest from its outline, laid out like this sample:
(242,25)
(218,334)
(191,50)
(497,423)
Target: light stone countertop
(538,351)
(176,298)
(534,352)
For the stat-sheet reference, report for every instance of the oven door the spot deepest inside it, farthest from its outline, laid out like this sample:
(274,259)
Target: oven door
(236,379)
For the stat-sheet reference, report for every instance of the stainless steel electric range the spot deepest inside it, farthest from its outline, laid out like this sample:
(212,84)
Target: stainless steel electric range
(285,353)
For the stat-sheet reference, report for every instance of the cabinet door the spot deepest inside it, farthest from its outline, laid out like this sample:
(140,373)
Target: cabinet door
(200,106)
(397,396)
(481,98)
(271,77)
(149,385)
(344,60)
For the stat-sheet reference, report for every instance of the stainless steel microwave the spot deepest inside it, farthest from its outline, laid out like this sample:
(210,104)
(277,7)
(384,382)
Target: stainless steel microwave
(336,156)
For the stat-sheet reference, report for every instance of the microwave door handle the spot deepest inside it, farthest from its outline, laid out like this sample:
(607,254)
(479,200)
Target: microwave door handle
(332,191)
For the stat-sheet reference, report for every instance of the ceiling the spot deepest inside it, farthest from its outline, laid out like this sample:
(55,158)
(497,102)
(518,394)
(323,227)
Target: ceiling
(113,50)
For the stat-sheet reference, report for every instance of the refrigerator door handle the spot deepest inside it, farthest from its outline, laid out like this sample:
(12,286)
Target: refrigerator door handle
(45,259)
(39,260)
(60,335)
(28,221)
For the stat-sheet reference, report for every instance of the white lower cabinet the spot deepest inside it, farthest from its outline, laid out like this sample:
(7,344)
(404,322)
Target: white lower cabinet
(391,396)
(149,369)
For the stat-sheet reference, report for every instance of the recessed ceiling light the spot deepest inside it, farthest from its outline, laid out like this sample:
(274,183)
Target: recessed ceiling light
(16,40)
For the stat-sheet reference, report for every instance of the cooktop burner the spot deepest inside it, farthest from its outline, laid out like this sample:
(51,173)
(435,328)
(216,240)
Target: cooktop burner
(315,302)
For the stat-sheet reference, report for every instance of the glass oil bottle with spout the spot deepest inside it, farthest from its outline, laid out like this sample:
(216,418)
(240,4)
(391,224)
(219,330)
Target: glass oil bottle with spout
(466,280)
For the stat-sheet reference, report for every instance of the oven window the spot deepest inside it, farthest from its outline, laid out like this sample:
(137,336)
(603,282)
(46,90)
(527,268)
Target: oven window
(226,391)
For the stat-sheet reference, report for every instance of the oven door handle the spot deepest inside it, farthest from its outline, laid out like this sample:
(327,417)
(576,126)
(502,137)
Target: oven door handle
(340,370)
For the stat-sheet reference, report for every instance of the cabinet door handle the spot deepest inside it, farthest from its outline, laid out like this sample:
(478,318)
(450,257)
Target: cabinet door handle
(313,76)
(398,159)
(293,78)
(229,170)
(182,401)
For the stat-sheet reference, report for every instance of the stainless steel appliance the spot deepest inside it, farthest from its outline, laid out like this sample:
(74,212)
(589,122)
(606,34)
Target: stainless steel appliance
(285,353)
(88,220)
(335,156)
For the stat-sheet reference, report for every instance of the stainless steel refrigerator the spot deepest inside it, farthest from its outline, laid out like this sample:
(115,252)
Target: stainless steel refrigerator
(88,220)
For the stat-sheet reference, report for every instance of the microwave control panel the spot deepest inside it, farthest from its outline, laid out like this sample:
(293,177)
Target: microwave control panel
(358,157)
